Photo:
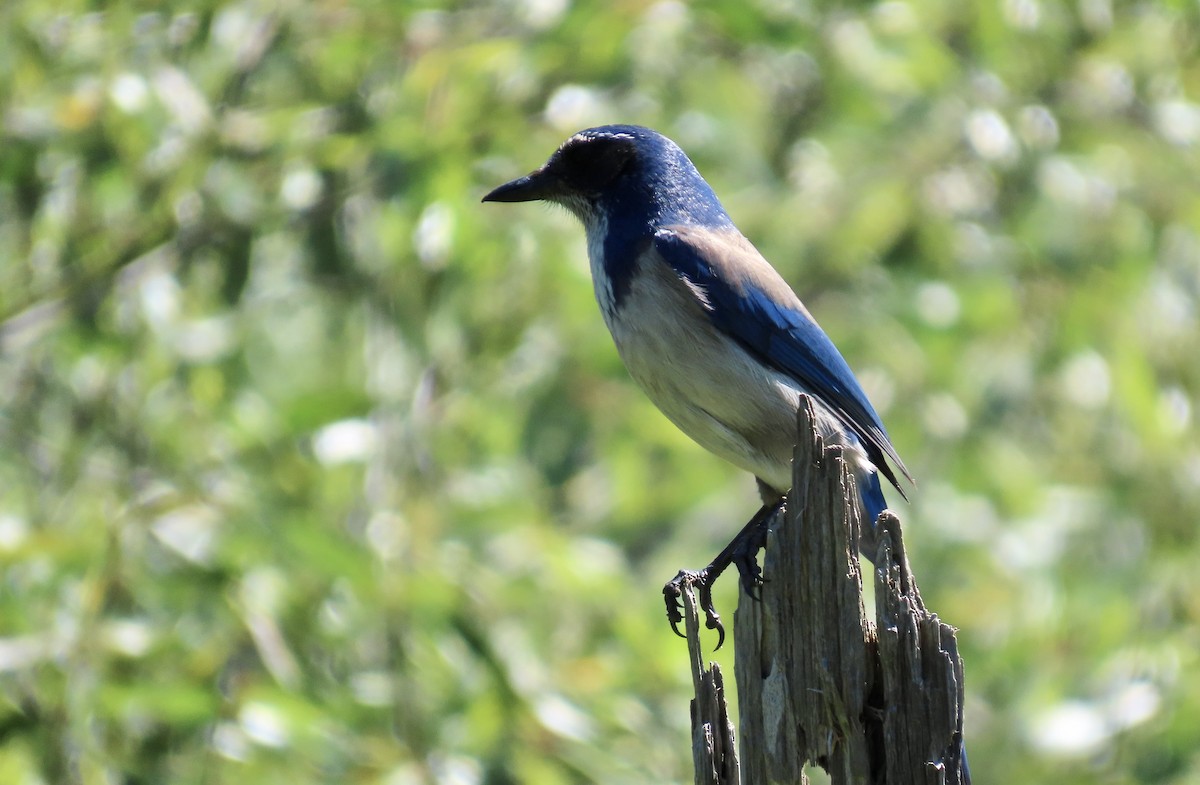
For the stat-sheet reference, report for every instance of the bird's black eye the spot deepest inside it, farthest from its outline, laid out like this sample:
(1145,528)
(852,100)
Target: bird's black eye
(589,165)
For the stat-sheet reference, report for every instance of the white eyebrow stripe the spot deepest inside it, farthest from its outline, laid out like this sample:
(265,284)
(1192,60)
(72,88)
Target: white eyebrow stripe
(585,135)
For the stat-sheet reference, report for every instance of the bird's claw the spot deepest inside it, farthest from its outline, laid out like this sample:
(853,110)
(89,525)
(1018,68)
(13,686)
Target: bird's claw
(745,557)
(742,551)
(750,573)
(673,593)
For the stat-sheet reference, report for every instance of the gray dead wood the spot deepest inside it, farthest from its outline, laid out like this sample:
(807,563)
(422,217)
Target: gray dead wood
(818,682)
(713,750)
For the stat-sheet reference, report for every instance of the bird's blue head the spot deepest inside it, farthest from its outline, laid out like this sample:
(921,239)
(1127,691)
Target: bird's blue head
(624,177)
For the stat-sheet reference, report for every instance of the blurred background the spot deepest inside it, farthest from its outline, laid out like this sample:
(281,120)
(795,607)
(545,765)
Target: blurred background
(313,469)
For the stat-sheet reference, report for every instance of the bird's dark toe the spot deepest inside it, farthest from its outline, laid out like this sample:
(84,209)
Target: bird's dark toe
(673,594)
(751,574)
(673,597)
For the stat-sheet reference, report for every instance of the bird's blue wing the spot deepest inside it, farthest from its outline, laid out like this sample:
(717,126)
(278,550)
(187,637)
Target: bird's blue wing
(748,301)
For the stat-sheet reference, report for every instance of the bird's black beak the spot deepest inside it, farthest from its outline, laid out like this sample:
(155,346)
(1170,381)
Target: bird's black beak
(534,186)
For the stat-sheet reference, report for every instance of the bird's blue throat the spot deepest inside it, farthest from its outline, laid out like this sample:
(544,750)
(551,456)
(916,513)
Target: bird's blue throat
(670,195)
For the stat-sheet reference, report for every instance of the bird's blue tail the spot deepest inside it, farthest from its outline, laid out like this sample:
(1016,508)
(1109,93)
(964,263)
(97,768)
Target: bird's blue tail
(873,503)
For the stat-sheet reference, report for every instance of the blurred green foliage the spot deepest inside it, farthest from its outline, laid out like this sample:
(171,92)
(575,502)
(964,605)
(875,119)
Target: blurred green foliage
(313,469)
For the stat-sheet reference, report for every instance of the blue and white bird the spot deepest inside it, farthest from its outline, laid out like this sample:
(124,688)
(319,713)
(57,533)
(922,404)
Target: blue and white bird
(706,326)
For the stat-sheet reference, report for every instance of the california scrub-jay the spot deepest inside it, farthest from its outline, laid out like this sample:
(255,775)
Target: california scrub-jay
(707,327)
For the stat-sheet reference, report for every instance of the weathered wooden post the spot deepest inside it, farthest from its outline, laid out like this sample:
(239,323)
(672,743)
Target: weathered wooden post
(871,702)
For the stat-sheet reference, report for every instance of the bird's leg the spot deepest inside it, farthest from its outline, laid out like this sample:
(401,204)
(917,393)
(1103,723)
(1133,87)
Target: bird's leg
(741,551)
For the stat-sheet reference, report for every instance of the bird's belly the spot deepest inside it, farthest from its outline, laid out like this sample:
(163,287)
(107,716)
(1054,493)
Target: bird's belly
(714,390)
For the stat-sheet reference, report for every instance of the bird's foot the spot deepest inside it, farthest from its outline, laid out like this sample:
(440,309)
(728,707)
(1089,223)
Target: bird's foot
(673,594)
(742,551)
(744,555)
(750,573)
